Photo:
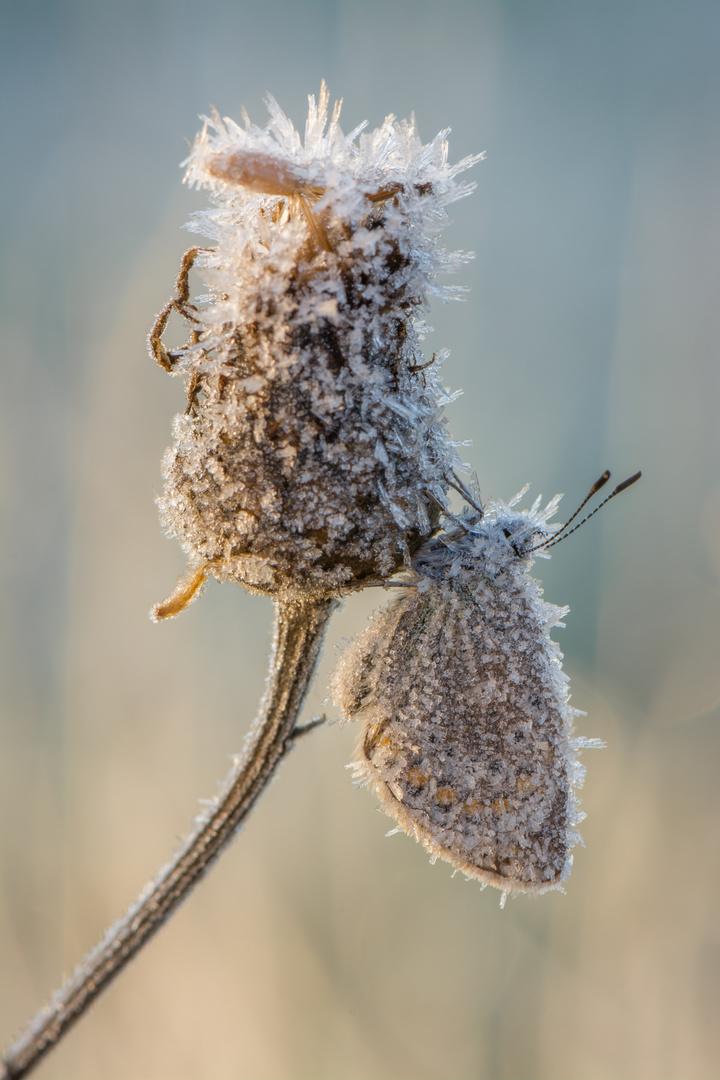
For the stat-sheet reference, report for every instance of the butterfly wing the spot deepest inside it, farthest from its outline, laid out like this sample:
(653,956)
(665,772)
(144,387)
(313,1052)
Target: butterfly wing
(467,729)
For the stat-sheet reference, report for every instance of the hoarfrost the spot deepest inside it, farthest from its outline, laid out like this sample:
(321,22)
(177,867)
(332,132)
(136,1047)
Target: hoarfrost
(314,429)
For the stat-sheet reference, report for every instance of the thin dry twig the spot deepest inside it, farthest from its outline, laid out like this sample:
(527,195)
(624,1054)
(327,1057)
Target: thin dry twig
(299,632)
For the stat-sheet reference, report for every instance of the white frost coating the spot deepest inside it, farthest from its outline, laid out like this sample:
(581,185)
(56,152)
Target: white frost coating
(314,427)
(467,734)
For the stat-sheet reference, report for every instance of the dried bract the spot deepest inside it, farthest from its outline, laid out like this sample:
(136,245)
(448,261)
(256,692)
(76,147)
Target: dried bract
(314,428)
(467,733)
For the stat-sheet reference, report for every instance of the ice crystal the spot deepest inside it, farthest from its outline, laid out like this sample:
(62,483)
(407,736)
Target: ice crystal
(314,438)
(467,734)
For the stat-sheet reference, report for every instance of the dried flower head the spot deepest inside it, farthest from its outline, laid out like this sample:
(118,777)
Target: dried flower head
(467,734)
(314,428)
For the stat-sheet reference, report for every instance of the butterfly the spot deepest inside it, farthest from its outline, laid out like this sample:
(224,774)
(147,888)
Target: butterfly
(467,731)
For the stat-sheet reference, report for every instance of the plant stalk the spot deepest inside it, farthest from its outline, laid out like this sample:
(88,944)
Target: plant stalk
(298,636)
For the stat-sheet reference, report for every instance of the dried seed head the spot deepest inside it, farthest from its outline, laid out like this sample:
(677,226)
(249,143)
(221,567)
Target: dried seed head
(467,734)
(314,426)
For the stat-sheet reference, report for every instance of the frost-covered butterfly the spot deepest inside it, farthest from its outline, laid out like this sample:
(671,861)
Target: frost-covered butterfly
(468,733)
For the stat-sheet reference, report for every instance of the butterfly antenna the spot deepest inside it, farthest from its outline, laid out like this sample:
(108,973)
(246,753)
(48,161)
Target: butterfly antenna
(457,483)
(593,491)
(563,535)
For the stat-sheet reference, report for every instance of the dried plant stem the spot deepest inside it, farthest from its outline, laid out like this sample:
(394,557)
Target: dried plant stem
(299,632)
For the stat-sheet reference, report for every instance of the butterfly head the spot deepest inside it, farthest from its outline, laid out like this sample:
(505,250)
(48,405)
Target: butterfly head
(508,538)
(518,533)
(490,542)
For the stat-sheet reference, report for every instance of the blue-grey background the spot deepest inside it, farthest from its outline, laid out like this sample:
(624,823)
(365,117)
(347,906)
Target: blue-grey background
(319,949)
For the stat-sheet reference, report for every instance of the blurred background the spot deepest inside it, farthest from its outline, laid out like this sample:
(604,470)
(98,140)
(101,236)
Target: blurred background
(318,949)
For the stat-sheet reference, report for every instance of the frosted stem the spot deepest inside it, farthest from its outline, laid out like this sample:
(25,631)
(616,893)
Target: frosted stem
(298,636)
